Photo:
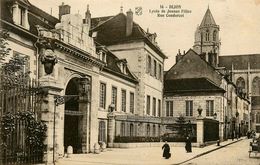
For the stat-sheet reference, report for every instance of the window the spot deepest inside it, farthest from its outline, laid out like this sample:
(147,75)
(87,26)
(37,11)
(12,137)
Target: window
(154,131)
(132,102)
(169,108)
(114,97)
(207,35)
(189,108)
(148,105)
(257,117)
(122,129)
(209,108)
(102,97)
(148,130)
(160,72)
(102,56)
(240,84)
(102,131)
(159,108)
(123,105)
(214,35)
(149,64)
(155,68)
(154,106)
(131,129)
(20,15)
(256,86)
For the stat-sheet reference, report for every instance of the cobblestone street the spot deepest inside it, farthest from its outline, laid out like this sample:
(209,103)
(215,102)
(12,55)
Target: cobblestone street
(153,155)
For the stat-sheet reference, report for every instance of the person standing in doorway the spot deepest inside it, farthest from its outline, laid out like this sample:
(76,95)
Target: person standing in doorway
(166,150)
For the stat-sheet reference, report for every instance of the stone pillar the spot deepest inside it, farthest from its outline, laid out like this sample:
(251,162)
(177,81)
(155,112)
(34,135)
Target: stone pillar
(221,131)
(111,129)
(84,108)
(200,131)
(48,107)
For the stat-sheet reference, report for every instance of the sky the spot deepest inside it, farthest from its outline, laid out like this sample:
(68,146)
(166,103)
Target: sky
(239,21)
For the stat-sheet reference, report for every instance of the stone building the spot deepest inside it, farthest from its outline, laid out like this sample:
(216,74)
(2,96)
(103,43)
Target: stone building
(245,73)
(107,87)
(198,80)
(127,40)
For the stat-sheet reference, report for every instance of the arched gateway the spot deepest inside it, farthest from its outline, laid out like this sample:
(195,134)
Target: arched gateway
(77,99)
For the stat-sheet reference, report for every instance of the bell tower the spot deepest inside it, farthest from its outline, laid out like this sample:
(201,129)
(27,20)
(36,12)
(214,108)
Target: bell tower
(207,43)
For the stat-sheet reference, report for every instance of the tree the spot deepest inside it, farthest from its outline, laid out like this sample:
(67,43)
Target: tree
(181,123)
(4,51)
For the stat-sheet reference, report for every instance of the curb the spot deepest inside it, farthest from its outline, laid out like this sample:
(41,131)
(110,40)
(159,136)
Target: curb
(204,153)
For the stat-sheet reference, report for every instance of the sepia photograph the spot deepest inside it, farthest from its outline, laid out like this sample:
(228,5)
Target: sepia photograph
(130,82)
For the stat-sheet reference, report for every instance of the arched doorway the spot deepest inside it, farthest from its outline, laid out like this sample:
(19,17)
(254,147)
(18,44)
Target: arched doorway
(72,117)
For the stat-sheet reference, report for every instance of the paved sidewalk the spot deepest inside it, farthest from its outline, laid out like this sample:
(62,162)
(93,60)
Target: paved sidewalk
(141,156)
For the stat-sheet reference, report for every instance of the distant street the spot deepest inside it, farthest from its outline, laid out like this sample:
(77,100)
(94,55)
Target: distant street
(234,154)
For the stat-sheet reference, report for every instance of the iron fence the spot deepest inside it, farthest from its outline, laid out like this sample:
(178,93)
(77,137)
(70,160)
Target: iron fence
(20,120)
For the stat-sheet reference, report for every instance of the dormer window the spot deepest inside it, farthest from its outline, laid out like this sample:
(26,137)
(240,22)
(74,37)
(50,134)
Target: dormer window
(122,64)
(20,15)
(102,56)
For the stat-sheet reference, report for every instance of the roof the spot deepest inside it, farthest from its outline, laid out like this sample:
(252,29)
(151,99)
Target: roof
(36,16)
(240,62)
(113,68)
(112,30)
(208,19)
(191,65)
(190,85)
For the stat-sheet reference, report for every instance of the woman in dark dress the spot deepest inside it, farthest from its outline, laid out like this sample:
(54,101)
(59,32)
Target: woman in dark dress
(188,144)
(166,150)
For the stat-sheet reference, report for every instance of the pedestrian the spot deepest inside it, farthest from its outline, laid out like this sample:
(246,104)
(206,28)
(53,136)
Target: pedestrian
(232,135)
(188,144)
(166,150)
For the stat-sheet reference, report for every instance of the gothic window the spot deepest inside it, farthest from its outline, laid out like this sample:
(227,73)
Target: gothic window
(256,86)
(240,84)
(215,35)
(207,35)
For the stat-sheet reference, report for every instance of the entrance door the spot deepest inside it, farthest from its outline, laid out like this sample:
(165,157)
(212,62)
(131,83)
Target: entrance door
(72,135)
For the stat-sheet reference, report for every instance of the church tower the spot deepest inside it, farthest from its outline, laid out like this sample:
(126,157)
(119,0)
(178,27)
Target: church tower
(207,41)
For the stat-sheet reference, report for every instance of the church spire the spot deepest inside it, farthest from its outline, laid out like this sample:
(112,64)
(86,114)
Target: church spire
(208,19)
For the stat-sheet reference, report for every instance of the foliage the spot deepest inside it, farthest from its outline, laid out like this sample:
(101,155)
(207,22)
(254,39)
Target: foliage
(4,51)
(35,131)
(181,126)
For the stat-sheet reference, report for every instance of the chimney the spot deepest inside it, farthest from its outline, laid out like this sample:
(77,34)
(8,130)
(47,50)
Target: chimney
(63,10)
(178,56)
(129,22)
